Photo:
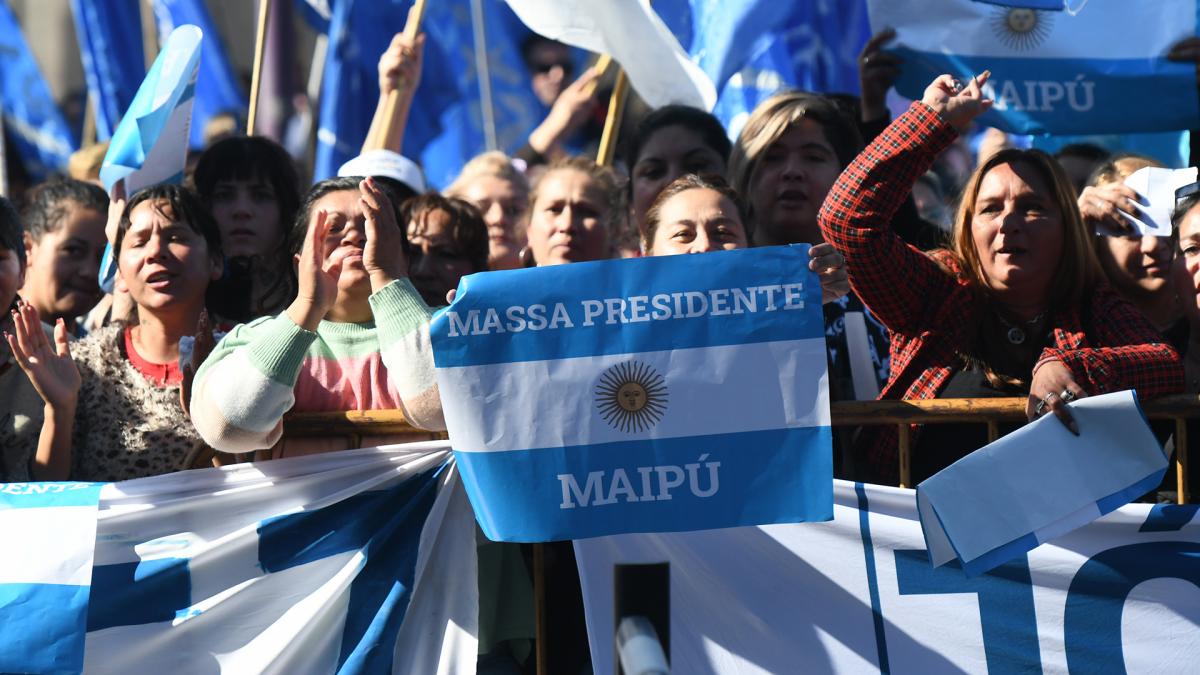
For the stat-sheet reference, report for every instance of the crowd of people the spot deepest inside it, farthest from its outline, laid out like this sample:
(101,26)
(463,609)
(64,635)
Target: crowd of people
(242,296)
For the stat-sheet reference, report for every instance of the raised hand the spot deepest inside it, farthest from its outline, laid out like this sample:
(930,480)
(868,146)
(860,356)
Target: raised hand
(830,267)
(958,102)
(116,207)
(877,72)
(400,65)
(48,366)
(569,112)
(383,255)
(1101,207)
(317,278)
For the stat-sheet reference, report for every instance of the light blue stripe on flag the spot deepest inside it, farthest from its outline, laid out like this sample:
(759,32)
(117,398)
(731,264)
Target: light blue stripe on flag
(658,394)
(49,531)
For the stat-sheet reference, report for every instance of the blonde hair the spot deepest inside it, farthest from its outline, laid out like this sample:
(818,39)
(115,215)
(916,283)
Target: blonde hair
(1078,271)
(495,164)
(773,118)
(1119,167)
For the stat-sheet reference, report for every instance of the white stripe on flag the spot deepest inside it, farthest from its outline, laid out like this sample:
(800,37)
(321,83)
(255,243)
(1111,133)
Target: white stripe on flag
(710,390)
(49,550)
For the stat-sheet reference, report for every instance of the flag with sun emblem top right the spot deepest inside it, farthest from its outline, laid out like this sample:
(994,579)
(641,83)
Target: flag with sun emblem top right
(663,394)
(1062,67)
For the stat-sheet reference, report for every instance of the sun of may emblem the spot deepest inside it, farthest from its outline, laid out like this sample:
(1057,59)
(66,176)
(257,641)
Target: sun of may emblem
(1021,28)
(631,396)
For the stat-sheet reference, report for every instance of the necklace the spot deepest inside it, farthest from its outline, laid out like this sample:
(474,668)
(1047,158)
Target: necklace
(1016,331)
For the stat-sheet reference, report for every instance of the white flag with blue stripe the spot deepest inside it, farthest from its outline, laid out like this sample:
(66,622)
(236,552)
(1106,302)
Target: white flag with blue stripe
(350,562)
(1099,70)
(649,395)
(151,141)
(45,574)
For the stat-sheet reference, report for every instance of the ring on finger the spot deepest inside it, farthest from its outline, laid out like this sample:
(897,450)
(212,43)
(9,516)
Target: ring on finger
(1067,396)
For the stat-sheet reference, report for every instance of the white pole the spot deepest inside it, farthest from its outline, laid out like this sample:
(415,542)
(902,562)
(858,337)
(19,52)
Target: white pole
(3,159)
(484,75)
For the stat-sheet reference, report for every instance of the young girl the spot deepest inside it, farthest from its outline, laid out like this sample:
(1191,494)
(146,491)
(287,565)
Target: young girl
(112,400)
(356,337)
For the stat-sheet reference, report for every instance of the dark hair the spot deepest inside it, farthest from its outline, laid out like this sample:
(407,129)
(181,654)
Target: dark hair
(687,182)
(704,125)
(531,43)
(250,158)
(186,207)
(1181,209)
(50,203)
(466,224)
(1086,151)
(295,238)
(11,233)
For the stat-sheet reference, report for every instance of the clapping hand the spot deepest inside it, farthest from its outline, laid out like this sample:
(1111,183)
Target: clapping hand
(48,366)
(956,102)
(383,255)
(317,278)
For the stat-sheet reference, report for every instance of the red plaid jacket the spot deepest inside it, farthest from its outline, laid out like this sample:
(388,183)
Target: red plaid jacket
(932,311)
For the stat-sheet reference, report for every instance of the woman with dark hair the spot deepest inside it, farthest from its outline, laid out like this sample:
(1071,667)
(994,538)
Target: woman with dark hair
(447,241)
(252,187)
(355,337)
(669,142)
(1017,306)
(113,409)
(64,238)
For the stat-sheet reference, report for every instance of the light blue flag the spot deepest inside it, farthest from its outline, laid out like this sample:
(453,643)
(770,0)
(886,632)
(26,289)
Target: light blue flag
(150,145)
(110,46)
(349,562)
(45,574)
(1052,5)
(1039,482)
(1101,70)
(755,48)
(217,88)
(649,395)
(40,134)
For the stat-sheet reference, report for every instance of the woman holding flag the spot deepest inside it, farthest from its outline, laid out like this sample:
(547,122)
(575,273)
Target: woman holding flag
(1018,304)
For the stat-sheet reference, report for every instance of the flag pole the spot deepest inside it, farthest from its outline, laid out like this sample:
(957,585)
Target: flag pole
(3,159)
(484,74)
(612,122)
(149,33)
(411,27)
(264,8)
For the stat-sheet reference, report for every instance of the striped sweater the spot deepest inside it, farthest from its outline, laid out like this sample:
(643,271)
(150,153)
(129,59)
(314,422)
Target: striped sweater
(263,369)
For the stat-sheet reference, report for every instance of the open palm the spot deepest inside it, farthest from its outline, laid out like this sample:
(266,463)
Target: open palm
(48,366)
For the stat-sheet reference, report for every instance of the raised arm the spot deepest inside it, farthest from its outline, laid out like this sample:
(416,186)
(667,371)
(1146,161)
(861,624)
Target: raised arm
(900,284)
(53,373)
(399,72)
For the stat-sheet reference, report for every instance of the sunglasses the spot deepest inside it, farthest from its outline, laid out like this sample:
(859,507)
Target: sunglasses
(544,68)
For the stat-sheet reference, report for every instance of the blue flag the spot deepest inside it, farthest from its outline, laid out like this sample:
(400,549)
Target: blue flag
(1101,70)
(45,577)
(110,46)
(217,87)
(649,395)
(753,49)
(39,133)
(1052,5)
(445,125)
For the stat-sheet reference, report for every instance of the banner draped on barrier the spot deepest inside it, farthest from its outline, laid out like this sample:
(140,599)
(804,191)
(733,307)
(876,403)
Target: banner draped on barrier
(350,562)
(859,594)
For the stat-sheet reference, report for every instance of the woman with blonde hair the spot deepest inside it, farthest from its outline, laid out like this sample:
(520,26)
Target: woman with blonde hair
(500,191)
(1017,306)
(575,208)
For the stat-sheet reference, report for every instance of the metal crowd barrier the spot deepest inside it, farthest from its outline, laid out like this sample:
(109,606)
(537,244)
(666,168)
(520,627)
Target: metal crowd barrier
(354,425)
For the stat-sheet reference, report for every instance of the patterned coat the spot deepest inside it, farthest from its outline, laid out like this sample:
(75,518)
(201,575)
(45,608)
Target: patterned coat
(932,310)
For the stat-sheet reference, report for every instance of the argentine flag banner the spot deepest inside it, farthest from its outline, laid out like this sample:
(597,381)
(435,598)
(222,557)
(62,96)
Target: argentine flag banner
(45,574)
(1100,68)
(649,395)
(151,141)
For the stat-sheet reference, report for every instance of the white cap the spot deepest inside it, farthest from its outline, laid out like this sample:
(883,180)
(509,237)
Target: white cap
(387,164)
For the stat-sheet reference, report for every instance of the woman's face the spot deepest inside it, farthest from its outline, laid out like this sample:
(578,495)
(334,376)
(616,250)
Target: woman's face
(503,207)
(346,238)
(437,261)
(1138,266)
(699,220)
(669,152)
(568,222)
(789,184)
(164,263)
(247,212)
(1017,230)
(63,264)
(1186,270)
